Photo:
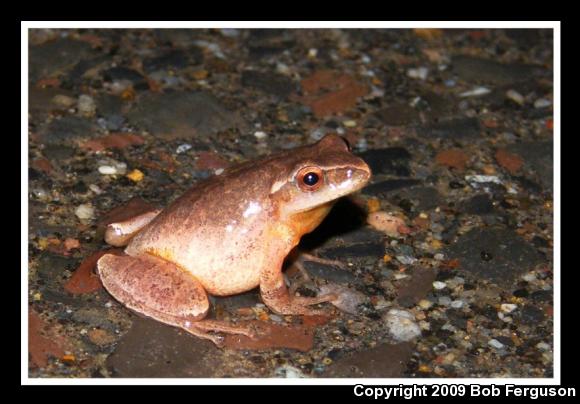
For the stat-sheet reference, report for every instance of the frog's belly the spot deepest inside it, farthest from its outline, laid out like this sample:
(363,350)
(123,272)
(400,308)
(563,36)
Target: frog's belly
(225,282)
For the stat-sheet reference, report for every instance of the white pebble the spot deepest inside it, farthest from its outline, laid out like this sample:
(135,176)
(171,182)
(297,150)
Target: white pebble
(350,123)
(401,325)
(113,168)
(543,346)
(85,211)
(400,276)
(289,372)
(494,343)
(529,277)
(508,307)
(182,148)
(477,179)
(282,68)
(457,304)
(542,103)
(438,285)
(504,318)
(475,92)
(439,257)
(107,170)
(86,105)
(95,188)
(515,97)
(312,52)
(406,260)
(420,73)
(260,135)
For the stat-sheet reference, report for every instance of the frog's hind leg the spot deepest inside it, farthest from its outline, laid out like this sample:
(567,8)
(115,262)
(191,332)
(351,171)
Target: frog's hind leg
(161,290)
(119,234)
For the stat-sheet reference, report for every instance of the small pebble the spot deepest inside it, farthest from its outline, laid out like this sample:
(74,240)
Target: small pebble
(515,97)
(182,148)
(494,343)
(63,100)
(401,325)
(542,103)
(260,135)
(439,257)
(95,188)
(420,73)
(107,170)
(406,260)
(504,318)
(135,175)
(350,123)
(543,346)
(288,372)
(425,304)
(457,304)
(529,277)
(86,105)
(444,301)
(508,307)
(113,168)
(85,211)
(438,285)
(450,83)
(478,179)
(475,92)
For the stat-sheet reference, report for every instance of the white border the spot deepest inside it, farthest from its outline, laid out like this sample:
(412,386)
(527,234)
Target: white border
(25,25)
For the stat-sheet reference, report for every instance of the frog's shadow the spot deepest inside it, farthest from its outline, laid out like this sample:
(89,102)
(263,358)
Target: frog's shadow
(345,217)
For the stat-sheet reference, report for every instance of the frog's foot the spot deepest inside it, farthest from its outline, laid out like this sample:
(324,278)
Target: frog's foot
(290,305)
(309,257)
(119,234)
(222,326)
(159,289)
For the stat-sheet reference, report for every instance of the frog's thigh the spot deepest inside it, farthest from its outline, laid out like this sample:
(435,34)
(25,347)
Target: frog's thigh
(118,234)
(163,291)
(154,287)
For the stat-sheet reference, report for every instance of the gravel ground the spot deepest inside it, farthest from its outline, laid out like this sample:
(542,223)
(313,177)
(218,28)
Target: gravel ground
(446,256)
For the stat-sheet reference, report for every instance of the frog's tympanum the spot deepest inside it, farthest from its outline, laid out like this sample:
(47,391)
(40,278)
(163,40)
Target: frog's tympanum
(229,234)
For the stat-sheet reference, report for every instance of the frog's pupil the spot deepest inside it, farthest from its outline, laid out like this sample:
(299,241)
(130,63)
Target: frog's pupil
(310,179)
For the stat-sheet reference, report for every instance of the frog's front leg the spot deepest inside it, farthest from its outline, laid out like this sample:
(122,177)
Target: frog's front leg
(119,234)
(159,289)
(275,295)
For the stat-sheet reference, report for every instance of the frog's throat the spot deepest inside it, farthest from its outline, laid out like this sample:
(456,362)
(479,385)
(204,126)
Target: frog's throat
(308,220)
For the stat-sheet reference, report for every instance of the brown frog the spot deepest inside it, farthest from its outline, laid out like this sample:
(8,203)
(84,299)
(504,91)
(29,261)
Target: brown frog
(229,234)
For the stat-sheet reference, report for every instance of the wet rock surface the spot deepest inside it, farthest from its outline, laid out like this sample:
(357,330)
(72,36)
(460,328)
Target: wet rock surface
(494,254)
(455,124)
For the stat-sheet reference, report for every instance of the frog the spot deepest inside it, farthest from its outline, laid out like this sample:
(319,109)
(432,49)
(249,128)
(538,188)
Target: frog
(229,234)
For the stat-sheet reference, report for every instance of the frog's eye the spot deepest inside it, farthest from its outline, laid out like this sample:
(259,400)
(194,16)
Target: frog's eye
(310,178)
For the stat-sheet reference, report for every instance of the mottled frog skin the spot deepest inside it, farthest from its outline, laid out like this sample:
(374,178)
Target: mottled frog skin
(229,234)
